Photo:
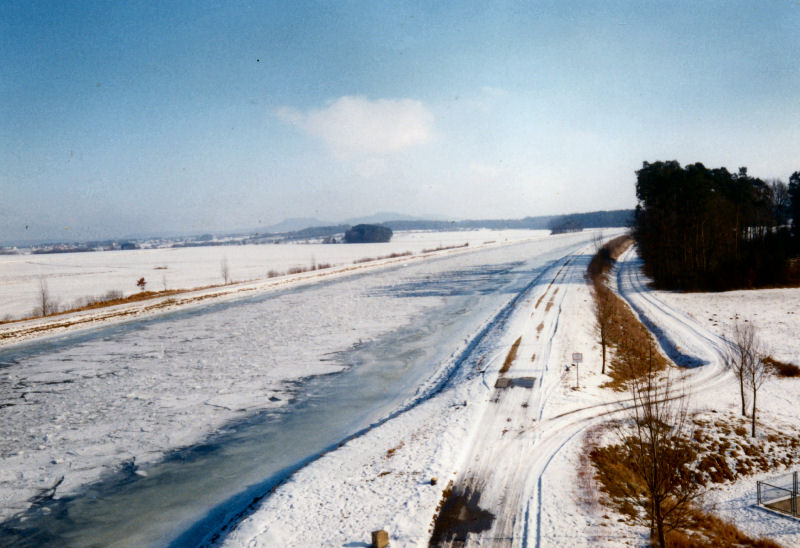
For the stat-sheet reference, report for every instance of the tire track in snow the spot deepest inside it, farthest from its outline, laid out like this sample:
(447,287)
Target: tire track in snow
(552,435)
(506,453)
(676,332)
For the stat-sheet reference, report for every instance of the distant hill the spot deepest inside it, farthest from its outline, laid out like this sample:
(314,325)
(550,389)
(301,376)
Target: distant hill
(306,228)
(299,228)
(594,219)
(294,224)
(315,232)
(383,217)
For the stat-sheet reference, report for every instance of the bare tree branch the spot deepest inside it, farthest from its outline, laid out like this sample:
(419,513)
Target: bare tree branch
(657,452)
(739,356)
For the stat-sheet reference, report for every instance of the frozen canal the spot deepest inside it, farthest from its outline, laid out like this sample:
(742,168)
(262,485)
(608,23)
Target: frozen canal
(163,430)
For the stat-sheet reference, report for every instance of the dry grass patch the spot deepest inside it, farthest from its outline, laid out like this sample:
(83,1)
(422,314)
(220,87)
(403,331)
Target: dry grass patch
(390,453)
(632,342)
(782,369)
(708,531)
(726,452)
(719,454)
(511,356)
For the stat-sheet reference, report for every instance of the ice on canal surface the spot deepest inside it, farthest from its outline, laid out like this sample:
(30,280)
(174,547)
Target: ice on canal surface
(118,400)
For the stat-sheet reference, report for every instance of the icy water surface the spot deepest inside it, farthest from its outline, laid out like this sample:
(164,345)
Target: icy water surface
(186,498)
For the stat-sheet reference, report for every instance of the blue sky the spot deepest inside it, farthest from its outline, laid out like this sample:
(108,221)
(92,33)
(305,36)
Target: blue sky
(119,118)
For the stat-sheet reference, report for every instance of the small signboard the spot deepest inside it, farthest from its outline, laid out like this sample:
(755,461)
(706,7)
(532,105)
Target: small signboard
(577,357)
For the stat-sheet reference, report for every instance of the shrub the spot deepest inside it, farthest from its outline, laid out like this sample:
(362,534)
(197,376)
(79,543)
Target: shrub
(782,369)
(368,234)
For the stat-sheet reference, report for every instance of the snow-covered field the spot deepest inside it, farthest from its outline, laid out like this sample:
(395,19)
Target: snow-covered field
(776,315)
(694,325)
(73,276)
(774,312)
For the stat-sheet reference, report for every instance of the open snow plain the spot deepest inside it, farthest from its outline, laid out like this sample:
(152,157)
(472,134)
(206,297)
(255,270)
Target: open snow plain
(120,412)
(74,276)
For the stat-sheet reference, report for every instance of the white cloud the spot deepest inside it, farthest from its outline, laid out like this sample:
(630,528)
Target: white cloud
(357,129)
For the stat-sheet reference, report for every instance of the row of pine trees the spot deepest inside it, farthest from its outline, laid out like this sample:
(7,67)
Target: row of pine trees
(710,229)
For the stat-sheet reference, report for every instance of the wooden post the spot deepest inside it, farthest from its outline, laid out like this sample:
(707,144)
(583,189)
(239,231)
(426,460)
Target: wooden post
(380,539)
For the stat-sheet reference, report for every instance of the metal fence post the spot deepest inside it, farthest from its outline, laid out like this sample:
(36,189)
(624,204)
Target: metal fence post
(758,492)
(794,493)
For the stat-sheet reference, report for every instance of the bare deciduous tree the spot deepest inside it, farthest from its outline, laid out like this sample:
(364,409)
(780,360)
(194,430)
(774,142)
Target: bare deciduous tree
(657,452)
(757,373)
(224,269)
(46,304)
(603,317)
(742,352)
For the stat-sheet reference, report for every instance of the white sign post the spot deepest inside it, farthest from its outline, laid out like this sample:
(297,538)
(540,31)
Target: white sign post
(577,358)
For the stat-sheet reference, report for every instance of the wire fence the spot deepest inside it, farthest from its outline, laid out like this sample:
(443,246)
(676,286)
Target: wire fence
(779,493)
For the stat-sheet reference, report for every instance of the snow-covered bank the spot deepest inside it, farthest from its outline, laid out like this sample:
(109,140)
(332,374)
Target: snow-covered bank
(774,312)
